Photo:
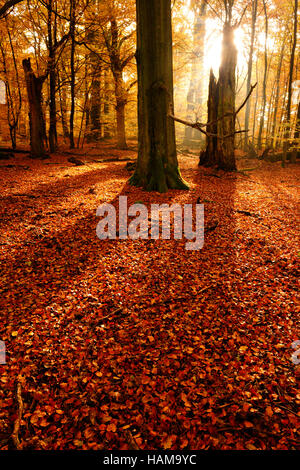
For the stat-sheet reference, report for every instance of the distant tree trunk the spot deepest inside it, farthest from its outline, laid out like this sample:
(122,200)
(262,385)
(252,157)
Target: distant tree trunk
(94,69)
(95,108)
(63,107)
(14,100)
(249,75)
(194,97)
(269,137)
(277,92)
(106,106)
(255,103)
(52,39)
(297,129)
(157,164)
(72,65)
(263,109)
(121,101)
(289,101)
(209,156)
(296,142)
(117,68)
(36,118)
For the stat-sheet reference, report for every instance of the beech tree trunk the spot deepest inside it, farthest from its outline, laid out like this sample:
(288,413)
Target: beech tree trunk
(73,73)
(63,107)
(249,74)
(95,110)
(34,87)
(209,156)
(277,96)
(221,109)
(195,93)
(287,132)
(52,43)
(226,126)
(121,101)
(94,68)
(264,103)
(157,164)
(106,106)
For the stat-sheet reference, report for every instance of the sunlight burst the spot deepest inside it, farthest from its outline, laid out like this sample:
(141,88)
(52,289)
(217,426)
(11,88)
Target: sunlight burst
(212,57)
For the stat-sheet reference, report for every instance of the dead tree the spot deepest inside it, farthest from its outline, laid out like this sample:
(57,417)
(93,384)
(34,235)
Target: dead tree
(34,87)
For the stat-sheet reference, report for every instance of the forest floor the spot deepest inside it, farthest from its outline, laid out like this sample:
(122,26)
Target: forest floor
(141,344)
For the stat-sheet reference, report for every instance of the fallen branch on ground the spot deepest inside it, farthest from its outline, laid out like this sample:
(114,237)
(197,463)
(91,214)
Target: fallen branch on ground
(15,434)
(249,214)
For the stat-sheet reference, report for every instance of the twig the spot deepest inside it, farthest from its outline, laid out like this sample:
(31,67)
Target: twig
(287,409)
(15,433)
(249,214)
(118,310)
(131,441)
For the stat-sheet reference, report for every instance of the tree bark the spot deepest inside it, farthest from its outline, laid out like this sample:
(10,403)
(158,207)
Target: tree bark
(262,117)
(277,93)
(121,101)
(52,40)
(94,128)
(221,109)
(209,156)
(249,75)
(226,84)
(63,107)
(289,99)
(117,68)
(34,87)
(157,164)
(73,75)
(194,97)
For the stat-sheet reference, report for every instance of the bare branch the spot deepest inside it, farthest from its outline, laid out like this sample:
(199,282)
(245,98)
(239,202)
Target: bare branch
(199,126)
(215,11)
(7,6)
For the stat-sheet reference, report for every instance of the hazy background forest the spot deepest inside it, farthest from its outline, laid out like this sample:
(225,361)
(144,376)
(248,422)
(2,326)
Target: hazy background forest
(84,53)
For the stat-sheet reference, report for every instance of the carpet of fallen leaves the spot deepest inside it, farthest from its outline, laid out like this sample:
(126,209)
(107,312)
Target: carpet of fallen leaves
(141,344)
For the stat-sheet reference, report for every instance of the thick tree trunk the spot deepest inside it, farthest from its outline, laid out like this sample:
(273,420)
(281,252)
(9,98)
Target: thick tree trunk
(157,164)
(36,118)
(226,84)
(221,109)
